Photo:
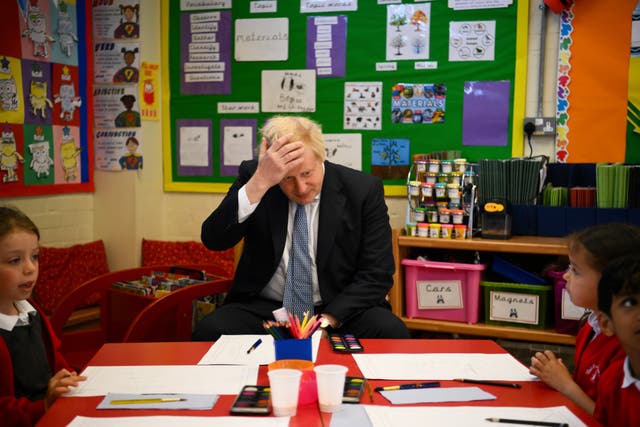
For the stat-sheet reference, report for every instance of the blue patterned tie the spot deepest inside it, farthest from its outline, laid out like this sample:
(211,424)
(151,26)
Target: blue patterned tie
(298,291)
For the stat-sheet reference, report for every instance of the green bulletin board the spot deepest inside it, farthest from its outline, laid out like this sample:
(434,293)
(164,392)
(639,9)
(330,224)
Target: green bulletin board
(365,50)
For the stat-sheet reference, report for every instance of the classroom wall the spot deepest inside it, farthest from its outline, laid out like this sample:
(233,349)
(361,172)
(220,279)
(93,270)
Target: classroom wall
(131,205)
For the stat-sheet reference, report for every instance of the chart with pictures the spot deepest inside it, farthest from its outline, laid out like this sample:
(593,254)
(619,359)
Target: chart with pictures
(385,79)
(44,147)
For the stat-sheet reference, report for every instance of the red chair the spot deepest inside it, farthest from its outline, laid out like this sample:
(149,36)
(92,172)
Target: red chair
(118,309)
(171,318)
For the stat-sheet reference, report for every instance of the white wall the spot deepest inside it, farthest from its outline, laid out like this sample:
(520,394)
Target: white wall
(128,206)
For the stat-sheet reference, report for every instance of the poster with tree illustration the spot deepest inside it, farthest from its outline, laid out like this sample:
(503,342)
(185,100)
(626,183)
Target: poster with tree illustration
(408,31)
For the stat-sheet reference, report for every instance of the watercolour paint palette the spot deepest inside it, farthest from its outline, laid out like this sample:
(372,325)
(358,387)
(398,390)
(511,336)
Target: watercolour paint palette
(252,400)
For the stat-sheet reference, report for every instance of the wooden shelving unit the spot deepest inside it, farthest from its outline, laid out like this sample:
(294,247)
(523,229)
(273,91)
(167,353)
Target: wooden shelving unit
(402,246)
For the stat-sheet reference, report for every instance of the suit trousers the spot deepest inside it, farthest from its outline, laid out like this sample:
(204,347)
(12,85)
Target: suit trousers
(246,318)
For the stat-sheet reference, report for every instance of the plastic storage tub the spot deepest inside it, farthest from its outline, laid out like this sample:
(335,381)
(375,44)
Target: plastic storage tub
(515,273)
(517,304)
(442,290)
(567,314)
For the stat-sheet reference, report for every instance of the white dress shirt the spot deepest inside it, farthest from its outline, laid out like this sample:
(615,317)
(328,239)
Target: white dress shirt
(275,288)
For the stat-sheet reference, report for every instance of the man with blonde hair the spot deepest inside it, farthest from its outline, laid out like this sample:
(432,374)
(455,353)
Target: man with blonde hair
(344,261)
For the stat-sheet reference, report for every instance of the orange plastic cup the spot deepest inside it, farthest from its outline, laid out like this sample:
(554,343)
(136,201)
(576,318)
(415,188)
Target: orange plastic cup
(308,389)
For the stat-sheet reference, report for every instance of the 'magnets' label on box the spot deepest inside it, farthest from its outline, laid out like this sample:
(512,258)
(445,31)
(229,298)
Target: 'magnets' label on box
(439,294)
(514,307)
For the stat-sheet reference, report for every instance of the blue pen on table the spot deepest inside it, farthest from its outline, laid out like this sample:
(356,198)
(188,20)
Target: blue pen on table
(409,386)
(255,345)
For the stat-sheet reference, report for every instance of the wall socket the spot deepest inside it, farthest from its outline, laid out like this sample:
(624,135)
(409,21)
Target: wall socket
(543,125)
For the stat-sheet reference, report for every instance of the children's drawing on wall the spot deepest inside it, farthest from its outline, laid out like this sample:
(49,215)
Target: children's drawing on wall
(66,29)
(43,147)
(363,105)
(41,161)
(118,149)
(69,153)
(36,29)
(115,106)
(472,41)
(10,157)
(116,62)
(65,97)
(148,91)
(38,154)
(11,107)
(39,106)
(408,28)
(344,149)
(129,73)
(288,91)
(132,159)
(237,143)
(195,147)
(129,18)
(116,19)
(390,158)
(418,103)
(129,117)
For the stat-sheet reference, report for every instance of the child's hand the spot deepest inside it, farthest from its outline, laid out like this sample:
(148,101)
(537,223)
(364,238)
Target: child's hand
(59,384)
(550,370)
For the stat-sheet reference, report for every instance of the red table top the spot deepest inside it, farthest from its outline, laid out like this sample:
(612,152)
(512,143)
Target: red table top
(532,393)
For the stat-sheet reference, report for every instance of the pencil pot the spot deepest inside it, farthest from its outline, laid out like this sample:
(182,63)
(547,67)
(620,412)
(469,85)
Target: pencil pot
(293,349)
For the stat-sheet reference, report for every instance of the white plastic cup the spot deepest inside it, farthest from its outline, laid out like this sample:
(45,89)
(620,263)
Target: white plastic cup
(330,380)
(285,384)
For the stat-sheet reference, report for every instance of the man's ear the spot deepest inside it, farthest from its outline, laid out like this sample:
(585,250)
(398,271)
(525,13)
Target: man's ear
(606,324)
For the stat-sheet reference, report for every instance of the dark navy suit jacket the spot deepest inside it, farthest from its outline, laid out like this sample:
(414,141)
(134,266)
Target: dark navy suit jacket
(354,258)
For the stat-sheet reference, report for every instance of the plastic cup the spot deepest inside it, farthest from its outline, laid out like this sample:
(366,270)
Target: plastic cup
(285,384)
(308,388)
(330,380)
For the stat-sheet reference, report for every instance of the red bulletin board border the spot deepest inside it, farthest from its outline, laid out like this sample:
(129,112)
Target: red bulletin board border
(85,87)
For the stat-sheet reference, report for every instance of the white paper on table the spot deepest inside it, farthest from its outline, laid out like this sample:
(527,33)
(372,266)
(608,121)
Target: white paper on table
(442,366)
(191,379)
(232,350)
(179,421)
(436,394)
(467,416)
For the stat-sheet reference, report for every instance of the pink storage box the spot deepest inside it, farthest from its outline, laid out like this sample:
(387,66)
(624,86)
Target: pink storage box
(567,314)
(442,290)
